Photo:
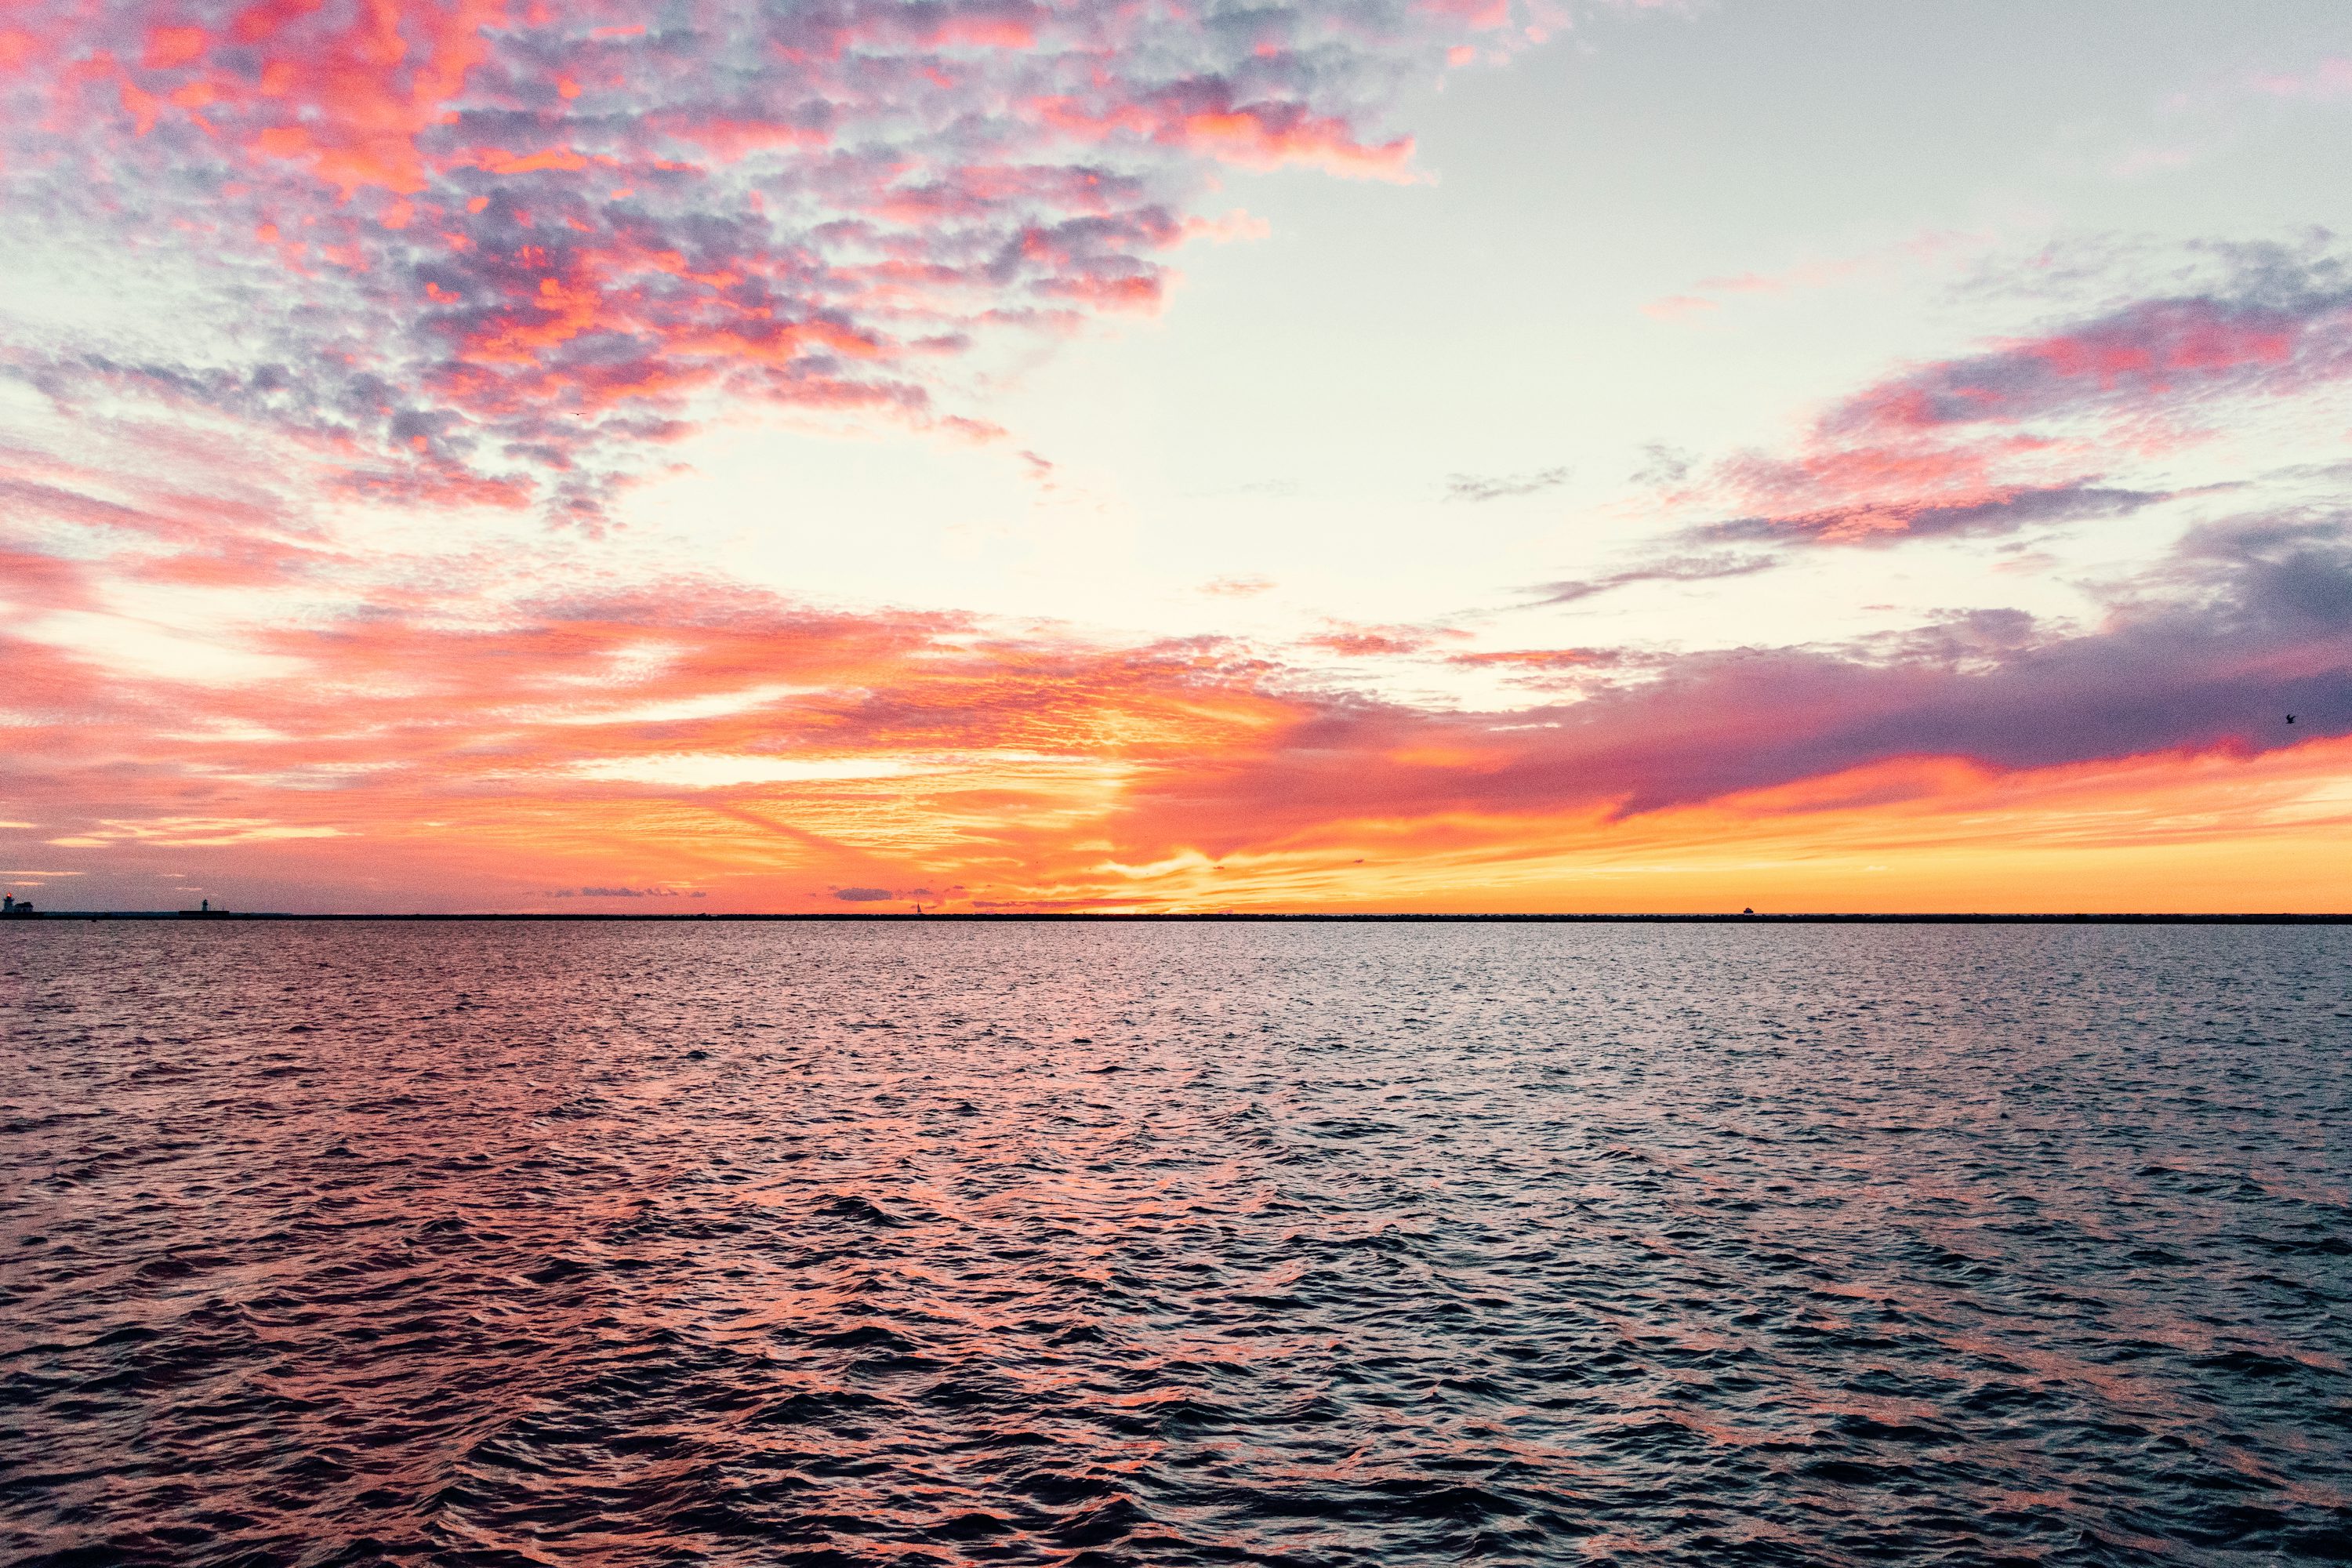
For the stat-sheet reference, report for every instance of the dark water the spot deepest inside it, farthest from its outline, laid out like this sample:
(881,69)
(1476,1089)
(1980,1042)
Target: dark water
(1332,1245)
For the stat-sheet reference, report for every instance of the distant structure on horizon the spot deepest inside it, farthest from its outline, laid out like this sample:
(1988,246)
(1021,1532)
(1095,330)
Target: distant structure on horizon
(12,905)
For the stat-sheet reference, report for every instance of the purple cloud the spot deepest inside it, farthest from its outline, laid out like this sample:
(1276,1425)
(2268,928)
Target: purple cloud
(1679,569)
(465,253)
(2279,322)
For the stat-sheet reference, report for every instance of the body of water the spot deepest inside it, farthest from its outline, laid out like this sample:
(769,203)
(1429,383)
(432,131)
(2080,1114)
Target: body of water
(1152,1244)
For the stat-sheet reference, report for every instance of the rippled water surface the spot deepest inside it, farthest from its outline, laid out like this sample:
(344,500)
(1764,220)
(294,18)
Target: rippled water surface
(1161,1245)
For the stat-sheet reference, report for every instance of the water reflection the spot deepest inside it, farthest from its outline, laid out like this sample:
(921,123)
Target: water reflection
(1167,1246)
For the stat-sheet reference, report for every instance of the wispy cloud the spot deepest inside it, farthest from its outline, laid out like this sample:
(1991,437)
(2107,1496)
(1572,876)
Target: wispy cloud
(2330,77)
(2282,323)
(1662,465)
(1351,641)
(1237,587)
(1677,569)
(2030,430)
(1536,658)
(1504,487)
(595,892)
(1709,294)
(1995,509)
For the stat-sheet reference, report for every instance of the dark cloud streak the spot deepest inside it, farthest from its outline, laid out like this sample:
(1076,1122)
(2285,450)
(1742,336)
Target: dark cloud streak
(1887,522)
(1681,569)
(1504,487)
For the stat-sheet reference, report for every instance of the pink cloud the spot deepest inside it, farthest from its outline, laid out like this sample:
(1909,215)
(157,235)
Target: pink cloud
(513,243)
(2028,429)
(2330,77)
(1680,307)
(2147,354)
(1351,641)
(1919,249)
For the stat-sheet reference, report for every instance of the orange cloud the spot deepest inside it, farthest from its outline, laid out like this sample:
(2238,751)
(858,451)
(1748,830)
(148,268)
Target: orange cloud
(461,747)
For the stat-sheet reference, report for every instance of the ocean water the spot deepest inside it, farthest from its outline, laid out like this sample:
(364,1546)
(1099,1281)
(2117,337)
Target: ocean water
(1317,1245)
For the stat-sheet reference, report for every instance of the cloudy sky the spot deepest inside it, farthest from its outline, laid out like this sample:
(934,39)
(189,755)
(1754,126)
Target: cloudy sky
(1139,453)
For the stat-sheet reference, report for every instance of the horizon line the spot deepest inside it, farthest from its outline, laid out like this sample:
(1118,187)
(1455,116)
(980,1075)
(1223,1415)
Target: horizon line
(1239,917)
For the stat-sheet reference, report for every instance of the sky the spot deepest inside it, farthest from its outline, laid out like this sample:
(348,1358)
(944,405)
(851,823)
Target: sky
(1355,454)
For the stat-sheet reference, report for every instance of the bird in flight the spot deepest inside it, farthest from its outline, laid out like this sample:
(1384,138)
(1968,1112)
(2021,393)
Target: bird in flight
(2290,717)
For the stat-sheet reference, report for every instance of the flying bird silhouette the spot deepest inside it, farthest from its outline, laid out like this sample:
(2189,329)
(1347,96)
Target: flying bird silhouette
(2290,717)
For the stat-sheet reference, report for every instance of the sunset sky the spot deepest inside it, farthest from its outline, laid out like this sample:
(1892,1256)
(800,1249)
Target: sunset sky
(1147,454)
